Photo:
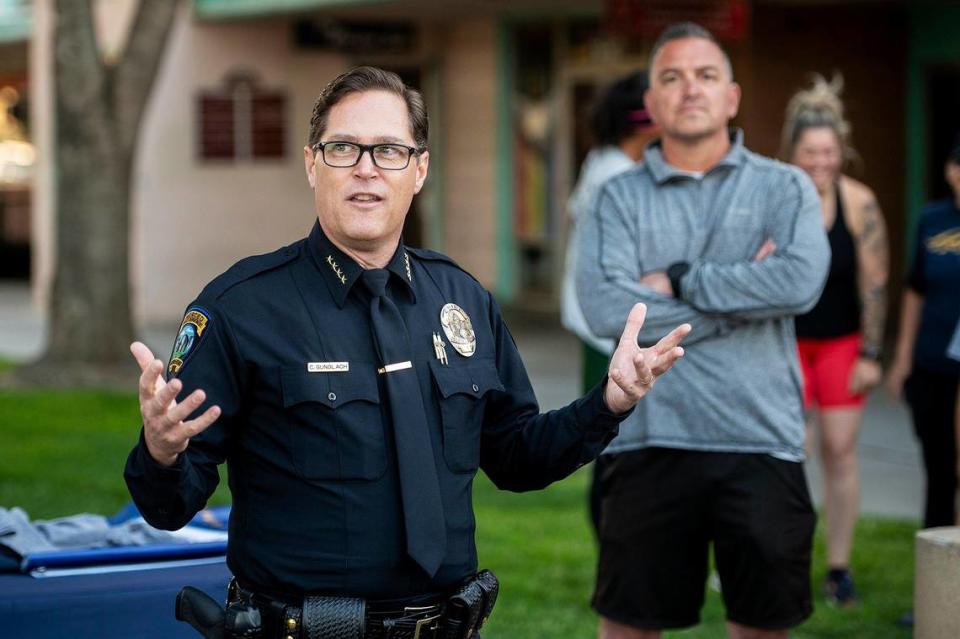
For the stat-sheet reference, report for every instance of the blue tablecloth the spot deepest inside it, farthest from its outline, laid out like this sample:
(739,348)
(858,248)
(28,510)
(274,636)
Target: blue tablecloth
(109,602)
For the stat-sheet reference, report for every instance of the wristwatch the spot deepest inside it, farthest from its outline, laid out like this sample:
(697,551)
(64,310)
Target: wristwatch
(674,272)
(870,352)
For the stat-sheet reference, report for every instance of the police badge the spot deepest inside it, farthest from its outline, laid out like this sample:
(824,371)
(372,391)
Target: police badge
(458,329)
(194,322)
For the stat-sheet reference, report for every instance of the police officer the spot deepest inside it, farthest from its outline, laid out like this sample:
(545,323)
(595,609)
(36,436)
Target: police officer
(354,386)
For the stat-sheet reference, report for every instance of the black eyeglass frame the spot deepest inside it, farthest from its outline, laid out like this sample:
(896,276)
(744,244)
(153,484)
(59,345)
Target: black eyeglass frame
(366,148)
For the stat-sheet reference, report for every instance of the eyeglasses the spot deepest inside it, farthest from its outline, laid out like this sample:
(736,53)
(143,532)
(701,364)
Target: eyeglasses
(341,155)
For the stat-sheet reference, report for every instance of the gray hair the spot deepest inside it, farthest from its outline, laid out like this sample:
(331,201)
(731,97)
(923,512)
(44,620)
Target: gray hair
(681,30)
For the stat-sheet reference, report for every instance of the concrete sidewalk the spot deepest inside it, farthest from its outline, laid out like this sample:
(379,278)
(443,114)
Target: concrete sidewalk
(892,480)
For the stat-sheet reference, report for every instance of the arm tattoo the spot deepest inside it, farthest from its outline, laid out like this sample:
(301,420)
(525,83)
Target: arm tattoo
(873,316)
(872,246)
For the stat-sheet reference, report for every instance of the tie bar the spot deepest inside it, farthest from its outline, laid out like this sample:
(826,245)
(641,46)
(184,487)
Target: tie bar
(392,368)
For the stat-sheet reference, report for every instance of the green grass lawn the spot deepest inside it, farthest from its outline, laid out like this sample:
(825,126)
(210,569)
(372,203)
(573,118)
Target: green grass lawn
(540,546)
(63,452)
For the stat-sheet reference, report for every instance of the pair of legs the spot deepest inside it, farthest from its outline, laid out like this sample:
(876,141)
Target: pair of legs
(662,511)
(612,630)
(932,397)
(838,429)
(593,367)
(827,365)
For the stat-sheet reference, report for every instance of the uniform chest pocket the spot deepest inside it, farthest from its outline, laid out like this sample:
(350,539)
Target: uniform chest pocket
(463,398)
(337,428)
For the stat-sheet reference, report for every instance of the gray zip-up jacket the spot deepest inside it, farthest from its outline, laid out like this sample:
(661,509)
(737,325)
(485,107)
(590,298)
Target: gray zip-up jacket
(738,388)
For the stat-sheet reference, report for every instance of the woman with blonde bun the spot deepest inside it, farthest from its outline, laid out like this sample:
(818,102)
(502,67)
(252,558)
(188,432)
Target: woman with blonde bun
(840,339)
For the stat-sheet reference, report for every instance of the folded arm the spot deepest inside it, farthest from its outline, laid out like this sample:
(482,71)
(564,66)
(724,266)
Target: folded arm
(787,282)
(609,270)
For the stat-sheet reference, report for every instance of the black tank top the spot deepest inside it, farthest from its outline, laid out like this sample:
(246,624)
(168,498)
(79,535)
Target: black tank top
(838,311)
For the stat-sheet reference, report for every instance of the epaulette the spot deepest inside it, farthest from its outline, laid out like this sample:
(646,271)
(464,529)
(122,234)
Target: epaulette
(427,254)
(250,267)
(433,256)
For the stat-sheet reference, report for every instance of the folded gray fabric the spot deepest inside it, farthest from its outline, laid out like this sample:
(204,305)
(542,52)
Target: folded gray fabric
(76,532)
(137,532)
(19,535)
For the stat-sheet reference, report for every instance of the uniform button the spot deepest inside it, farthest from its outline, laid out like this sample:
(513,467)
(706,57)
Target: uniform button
(332,397)
(476,389)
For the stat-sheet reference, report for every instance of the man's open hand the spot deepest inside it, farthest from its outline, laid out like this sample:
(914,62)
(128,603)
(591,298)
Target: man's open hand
(164,428)
(634,370)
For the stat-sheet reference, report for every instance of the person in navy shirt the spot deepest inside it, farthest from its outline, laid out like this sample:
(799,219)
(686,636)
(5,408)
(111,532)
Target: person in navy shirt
(279,370)
(921,368)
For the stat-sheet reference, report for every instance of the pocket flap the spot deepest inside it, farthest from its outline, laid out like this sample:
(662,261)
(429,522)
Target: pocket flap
(470,378)
(329,389)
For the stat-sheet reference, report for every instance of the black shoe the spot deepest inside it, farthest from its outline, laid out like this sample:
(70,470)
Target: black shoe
(905,620)
(839,589)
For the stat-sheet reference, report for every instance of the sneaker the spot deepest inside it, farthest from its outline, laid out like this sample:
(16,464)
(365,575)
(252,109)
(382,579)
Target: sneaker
(905,620)
(840,589)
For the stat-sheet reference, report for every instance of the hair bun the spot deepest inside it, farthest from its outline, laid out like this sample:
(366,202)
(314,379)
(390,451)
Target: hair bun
(818,106)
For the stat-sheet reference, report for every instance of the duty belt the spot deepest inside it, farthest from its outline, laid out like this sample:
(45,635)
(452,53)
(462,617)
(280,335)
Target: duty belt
(251,615)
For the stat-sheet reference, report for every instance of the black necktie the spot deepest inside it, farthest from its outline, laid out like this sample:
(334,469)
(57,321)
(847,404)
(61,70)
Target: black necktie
(419,486)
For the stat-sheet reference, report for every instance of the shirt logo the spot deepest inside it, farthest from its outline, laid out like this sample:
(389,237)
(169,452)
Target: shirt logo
(946,242)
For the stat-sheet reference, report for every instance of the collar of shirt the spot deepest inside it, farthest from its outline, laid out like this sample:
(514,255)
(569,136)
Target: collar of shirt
(662,172)
(341,272)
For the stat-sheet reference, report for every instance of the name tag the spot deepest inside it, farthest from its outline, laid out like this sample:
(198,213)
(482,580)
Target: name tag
(328,367)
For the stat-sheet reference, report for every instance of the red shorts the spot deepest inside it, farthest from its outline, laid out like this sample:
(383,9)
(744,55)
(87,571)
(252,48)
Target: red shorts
(827,365)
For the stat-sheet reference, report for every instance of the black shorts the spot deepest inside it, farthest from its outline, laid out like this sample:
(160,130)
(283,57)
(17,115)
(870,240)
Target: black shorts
(661,510)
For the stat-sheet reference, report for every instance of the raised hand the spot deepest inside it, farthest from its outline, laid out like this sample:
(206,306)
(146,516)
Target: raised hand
(634,370)
(164,429)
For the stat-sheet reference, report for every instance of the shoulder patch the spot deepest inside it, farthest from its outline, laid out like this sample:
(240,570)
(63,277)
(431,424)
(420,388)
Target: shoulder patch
(251,267)
(433,256)
(427,254)
(195,322)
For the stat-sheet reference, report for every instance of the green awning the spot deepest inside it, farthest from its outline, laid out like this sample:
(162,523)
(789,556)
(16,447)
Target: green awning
(224,9)
(16,21)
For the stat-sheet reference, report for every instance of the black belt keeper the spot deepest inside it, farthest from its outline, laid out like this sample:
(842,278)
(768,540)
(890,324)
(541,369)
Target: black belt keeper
(463,612)
(490,586)
(470,607)
(333,618)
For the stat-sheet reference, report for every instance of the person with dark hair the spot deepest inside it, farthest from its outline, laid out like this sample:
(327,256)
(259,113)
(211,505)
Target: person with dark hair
(354,386)
(621,129)
(620,114)
(921,369)
(839,339)
(708,233)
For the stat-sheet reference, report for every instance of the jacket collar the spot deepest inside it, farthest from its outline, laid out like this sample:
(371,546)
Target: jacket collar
(662,172)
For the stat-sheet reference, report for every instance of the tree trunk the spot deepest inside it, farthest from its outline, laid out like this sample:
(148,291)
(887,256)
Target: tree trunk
(98,112)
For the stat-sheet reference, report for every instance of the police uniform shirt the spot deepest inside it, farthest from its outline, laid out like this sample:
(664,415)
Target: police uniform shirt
(282,343)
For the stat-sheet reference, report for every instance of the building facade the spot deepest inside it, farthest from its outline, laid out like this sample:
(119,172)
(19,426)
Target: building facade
(218,173)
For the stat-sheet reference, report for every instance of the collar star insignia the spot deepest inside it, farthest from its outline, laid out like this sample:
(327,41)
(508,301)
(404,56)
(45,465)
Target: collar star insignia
(336,270)
(406,264)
